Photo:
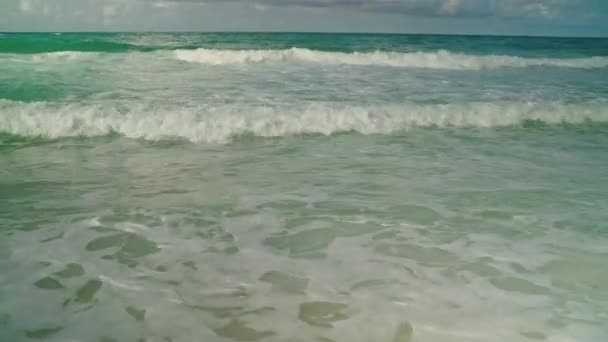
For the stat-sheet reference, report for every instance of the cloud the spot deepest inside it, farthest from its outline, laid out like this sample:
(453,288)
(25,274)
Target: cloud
(164,4)
(450,7)
(26,6)
(544,17)
(111,9)
(425,8)
(33,7)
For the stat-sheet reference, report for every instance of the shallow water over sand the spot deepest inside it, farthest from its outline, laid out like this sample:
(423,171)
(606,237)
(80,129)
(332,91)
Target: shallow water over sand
(430,236)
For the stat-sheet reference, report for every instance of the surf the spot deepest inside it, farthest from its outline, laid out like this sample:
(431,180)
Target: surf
(220,124)
(441,59)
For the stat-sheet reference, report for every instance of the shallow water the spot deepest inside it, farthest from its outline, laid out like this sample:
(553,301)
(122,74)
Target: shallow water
(145,197)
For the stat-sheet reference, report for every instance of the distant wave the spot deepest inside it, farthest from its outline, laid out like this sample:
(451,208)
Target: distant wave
(62,56)
(442,60)
(25,46)
(428,60)
(220,124)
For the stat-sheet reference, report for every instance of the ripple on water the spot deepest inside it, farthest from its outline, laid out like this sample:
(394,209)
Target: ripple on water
(285,282)
(43,333)
(71,270)
(87,292)
(323,314)
(533,335)
(349,229)
(374,283)
(105,242)
(110,339)
(239,331)
(577,274)
(130,246)
(137,314)
(417,214)
(53,238)
(430,256)
(49,283)
(315,242)
(390,235)
(404,332)
(512,284)
(308,243)
(495,214)
(481,266)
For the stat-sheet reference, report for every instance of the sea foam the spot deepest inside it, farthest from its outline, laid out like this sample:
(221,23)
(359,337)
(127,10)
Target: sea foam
(63,56)
(428,60)
(439,60)
(221,124)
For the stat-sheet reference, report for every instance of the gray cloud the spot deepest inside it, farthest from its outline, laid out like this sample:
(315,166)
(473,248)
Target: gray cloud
(425,8)
(536,17)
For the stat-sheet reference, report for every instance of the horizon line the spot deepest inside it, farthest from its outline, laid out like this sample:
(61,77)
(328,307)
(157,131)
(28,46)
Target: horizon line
(320,32)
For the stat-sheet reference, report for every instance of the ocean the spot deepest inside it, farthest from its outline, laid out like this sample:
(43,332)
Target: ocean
(303,187)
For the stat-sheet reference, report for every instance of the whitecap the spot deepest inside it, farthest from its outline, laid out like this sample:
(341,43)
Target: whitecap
(221,123)
(441,59)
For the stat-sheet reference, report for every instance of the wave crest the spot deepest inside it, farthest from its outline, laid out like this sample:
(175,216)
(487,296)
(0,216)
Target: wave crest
(425,60)
(220,124)
(63,56)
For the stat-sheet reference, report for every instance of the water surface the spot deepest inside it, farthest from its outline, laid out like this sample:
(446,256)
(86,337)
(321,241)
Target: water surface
(303,187)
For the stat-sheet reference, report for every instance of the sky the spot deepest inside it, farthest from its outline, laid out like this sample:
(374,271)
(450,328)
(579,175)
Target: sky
(510,17)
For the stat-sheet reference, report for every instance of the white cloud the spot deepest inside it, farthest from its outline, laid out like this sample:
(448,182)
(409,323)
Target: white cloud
(164,4)
(26,6)
(260,7)
(111,9)
(45,9)
(33,7)
(450,7)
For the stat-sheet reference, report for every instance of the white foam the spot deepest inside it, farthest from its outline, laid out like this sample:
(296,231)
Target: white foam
(62,56)
(428,60)
(120,285)
(442,59)
(220,124)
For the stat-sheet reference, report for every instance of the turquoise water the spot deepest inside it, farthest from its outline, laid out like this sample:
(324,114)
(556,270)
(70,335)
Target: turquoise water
(303,187)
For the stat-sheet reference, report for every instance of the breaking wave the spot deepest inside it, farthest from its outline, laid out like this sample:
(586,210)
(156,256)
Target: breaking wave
(63,56)
(220,124)
(440,60)
(428,60)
